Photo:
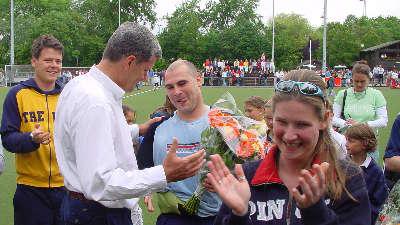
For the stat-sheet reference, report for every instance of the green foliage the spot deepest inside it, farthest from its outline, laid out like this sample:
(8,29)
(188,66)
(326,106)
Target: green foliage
(160,64)
(182,37)
(224,14)
(81,25)
(345,40)
(225,29)
(292,34)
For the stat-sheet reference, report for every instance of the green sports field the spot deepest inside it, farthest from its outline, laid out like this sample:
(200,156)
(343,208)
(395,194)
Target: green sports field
(145,103)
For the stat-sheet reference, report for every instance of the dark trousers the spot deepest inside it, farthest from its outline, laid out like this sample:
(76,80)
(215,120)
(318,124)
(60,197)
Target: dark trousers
(380,79)
(86,212)
(173,219)
(34,205)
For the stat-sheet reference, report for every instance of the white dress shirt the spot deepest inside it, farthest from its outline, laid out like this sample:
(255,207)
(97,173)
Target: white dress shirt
(94,144)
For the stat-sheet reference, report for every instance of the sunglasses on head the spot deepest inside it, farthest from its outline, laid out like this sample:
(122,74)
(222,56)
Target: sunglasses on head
(305,88)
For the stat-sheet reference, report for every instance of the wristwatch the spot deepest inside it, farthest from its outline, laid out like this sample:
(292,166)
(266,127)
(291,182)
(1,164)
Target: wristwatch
(31,135)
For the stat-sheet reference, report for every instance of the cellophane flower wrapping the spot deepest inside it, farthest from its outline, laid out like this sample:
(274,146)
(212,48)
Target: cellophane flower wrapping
(231,135)
(390,213)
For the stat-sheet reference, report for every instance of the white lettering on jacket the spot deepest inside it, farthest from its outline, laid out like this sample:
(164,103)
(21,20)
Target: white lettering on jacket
(272,209)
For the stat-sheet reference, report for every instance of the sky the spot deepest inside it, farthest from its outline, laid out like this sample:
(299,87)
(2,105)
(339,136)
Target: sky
(337,10)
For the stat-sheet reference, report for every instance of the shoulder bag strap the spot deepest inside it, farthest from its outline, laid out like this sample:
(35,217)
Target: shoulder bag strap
(343,103)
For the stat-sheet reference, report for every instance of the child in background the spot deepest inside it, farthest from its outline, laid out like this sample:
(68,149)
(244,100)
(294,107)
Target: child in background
(268,119)
(254,109)
(269,140)
(361,140)
(130,114)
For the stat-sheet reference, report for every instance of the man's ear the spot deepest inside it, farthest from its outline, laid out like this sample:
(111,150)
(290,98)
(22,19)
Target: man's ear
(131,59)
(33,61)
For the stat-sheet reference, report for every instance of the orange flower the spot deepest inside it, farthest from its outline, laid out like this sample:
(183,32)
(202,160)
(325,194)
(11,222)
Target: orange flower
(248,145)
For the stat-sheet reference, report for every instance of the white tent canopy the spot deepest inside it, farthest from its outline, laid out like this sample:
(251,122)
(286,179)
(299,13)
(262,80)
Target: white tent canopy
(340,67)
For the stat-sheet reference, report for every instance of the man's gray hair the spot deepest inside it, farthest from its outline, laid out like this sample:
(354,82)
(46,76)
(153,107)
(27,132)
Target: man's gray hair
(132,39)
(181,62)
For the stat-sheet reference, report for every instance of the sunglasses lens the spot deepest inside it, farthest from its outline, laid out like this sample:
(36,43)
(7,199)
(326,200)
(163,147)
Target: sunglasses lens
(304,88)
(285,86)
(309,89)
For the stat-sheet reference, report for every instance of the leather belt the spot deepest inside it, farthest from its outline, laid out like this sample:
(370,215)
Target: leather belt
(78,196)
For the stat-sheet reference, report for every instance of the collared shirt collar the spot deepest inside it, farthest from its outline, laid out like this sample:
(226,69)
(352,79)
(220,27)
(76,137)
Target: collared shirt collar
(110,85)
(367,161)
(267,171)
(359,93)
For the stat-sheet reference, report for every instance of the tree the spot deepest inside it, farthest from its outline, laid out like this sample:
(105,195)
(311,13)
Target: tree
(182,37)
(292,34)
(101,16)
(223,14)
(83,25)
(242,40)
(75,53)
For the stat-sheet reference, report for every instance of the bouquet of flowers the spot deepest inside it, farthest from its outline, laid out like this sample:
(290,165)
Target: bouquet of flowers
(390,213)
(231,135)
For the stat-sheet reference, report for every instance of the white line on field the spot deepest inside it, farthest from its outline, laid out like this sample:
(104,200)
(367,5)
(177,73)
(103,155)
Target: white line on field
(143,92)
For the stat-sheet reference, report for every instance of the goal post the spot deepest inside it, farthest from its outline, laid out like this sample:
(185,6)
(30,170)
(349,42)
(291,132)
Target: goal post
(13,74)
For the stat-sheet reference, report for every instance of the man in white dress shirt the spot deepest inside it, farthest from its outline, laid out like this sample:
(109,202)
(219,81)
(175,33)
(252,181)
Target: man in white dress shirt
(94,142)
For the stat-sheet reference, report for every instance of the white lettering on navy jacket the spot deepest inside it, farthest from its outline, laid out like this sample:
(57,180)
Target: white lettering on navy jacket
(94,144)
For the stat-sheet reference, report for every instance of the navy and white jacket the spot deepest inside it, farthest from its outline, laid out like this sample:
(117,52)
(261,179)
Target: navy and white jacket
(271,204)
(393,149)
(376,186)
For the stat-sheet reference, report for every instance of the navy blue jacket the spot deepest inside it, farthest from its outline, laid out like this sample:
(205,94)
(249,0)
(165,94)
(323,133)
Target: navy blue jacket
(270,202)
(145,153)
(376,186)
(393,149)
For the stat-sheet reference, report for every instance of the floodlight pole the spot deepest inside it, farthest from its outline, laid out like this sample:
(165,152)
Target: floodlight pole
(310,53)
(273,41)
(365,8)
(324,40)
(119,12)
(12,33)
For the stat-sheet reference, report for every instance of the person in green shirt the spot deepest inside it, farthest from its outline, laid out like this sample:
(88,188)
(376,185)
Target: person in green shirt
(362,104)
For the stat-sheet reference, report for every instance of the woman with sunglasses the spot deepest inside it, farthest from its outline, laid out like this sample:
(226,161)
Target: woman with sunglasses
(301,180)
(360,103)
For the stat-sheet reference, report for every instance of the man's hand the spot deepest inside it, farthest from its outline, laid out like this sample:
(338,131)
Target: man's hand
(145,126)
(39,136)
(177,168)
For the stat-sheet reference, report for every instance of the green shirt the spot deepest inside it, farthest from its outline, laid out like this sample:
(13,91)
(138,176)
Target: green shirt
(361,106)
